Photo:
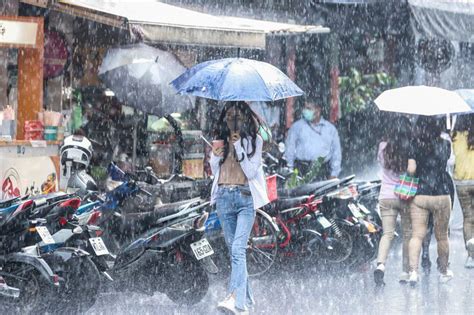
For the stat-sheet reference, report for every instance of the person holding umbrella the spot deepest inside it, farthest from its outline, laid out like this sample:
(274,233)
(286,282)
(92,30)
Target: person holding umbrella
(238,189)
(430,153)
(428,161)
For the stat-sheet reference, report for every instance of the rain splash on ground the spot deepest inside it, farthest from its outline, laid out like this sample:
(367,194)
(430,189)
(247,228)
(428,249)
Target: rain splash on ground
(312,292)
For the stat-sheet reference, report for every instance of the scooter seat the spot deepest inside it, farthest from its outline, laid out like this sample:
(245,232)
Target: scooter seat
(149,218)
(309,189)
(287,203)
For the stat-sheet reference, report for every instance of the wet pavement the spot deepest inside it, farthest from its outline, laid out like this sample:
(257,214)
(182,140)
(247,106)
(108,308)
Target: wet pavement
(313,291)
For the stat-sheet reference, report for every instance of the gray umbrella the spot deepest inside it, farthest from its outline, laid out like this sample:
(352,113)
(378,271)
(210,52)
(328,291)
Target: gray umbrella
(139,75)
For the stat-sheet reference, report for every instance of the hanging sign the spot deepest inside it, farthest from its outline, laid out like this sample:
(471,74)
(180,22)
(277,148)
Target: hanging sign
(16,34)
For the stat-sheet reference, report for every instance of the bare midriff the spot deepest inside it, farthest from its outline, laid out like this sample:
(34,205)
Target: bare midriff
(231,172)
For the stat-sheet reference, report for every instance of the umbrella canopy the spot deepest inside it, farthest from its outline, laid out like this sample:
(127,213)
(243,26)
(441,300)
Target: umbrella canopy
(421,100)
(468,96)
(139,75)
(236,79)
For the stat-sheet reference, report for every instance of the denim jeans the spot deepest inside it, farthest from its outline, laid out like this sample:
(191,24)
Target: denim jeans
(236,213)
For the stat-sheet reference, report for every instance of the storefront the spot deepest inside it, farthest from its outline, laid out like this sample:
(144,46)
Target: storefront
(90,28)
(26,165)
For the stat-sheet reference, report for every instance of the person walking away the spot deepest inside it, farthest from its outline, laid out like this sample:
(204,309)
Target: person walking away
(463,145)
(313,137)
(430,154)
(425,248)
(393,156)
(238,189)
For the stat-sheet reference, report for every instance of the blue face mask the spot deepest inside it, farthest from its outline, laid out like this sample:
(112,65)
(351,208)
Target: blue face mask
(308,114)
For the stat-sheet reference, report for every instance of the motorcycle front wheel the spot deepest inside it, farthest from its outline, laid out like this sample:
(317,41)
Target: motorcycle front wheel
(188,282)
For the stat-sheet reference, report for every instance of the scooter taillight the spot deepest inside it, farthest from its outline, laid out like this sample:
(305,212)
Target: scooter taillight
(95,216)
(73,203)
(62,221)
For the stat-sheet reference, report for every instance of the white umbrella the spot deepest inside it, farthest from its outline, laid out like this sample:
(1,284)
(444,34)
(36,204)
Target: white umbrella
(421,100)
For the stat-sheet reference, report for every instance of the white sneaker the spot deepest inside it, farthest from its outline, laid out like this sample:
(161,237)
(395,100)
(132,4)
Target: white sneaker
(413,278)
(404,277)
(228,304)
(443,278)
(469,262)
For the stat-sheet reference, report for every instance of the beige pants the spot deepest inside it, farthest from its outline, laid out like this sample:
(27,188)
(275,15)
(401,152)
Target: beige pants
(466,198)
(420,208)
(389,210)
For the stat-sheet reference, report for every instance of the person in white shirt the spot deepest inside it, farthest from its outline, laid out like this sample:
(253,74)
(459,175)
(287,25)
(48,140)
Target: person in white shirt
(239,188)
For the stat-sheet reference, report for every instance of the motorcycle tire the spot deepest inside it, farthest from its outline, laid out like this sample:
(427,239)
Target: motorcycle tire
(81,285)
(188,281)
(343,247)
(35,291)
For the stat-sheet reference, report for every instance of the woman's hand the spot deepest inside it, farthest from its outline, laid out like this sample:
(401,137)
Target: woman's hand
(218,151)
(235,136)
(411,169)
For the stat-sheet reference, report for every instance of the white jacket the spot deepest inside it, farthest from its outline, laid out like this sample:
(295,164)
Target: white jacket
(252,168)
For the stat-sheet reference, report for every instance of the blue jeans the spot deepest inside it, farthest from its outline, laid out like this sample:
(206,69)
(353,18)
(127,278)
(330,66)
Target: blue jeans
(237,214)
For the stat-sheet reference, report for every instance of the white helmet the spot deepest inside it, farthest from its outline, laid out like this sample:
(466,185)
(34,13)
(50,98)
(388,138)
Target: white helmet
(77,149)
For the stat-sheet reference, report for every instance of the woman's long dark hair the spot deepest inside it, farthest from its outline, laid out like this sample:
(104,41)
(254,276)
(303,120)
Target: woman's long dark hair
(249,129)
(396,153)
(428,132)
(466,123)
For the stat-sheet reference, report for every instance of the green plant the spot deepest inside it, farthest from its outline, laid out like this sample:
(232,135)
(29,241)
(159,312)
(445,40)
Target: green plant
(314,171)
(358,90)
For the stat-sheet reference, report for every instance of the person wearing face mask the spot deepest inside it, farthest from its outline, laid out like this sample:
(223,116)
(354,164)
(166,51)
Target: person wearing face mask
(310,138)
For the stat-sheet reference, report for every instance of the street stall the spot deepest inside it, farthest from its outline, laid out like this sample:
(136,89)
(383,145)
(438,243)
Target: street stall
(28,159)
(190,37)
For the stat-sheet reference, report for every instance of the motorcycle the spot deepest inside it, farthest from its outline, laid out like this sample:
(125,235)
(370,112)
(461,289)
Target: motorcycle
(153,248)
(29,281)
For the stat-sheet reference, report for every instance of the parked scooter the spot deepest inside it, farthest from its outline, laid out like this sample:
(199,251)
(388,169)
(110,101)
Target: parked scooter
(147,251)
(29,282)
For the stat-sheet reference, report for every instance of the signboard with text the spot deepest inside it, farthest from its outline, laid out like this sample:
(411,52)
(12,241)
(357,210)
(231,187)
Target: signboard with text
(16,32)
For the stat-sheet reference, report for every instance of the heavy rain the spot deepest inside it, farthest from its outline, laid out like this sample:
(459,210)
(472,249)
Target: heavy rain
(236,157)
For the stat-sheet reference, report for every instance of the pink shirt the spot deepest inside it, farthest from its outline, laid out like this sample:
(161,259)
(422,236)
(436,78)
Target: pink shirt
(389,178)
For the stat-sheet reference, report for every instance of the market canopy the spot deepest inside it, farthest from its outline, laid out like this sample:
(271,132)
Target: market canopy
(451,20)
(159,22)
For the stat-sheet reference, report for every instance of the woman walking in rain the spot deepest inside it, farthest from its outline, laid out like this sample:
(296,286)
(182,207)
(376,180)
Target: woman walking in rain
(463,145)
(238,189)
(393,157)
(431,154)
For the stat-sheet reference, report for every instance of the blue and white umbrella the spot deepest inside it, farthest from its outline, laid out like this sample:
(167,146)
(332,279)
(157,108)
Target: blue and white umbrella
(236,79)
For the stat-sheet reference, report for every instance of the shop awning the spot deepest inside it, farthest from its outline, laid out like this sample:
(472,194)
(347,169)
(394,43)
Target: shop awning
(159,22)
(451,20)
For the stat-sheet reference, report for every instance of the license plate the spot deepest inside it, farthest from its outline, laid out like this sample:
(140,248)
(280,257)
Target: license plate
(355,211)
(202,249)
(324,222)
(98,246)
(45,235)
